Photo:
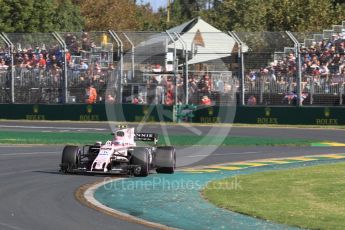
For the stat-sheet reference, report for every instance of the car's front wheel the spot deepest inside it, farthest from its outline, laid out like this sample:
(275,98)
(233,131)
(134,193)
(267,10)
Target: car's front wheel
(165,159)
(70,158)
(140,157)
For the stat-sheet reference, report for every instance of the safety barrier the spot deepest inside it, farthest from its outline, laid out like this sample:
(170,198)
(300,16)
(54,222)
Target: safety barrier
(201,114)
(84,112)
(273,115)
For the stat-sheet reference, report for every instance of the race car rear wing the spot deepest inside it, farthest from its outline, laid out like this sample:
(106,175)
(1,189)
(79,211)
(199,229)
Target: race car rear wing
(146,137)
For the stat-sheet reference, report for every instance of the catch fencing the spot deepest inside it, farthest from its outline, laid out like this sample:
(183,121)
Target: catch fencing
(209,68)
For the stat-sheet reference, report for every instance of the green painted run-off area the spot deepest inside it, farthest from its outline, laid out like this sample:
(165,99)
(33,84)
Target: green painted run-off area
(67,137)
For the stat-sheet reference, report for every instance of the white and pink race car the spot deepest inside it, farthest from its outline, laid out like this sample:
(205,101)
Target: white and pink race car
(120,156)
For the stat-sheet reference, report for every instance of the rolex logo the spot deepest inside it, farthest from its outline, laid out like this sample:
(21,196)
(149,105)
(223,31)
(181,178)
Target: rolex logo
(210,111)
(267,112)
(327,112)
(89,109)
(35,109)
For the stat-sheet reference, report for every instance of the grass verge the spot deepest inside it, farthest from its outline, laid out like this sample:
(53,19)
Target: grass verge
(310,197)
(13,137)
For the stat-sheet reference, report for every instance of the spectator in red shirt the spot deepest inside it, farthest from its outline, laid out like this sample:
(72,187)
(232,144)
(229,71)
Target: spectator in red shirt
(169,99)
(206,100)
(42,63)
(91,94)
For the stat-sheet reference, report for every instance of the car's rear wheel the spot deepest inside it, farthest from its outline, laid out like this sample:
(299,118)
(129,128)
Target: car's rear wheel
(70,158)
(165,159)
(140,157)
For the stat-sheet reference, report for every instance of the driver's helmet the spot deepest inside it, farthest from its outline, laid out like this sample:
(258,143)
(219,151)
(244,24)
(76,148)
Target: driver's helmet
(119,138)
(118,141)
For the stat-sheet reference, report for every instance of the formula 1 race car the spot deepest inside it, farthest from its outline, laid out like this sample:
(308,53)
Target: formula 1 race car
(120,156)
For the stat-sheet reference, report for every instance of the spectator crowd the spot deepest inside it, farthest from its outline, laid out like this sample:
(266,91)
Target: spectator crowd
(322,67)
(203,88)
(43,67)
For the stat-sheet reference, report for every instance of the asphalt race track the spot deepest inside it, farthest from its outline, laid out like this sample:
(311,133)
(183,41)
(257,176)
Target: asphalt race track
(33,195)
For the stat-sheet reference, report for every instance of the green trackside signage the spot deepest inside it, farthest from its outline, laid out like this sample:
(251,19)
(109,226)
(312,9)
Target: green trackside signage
(84,112)
(157,113)
(328,118)
(140,113)
(214,114)
(89,114)
(35,115)
(272,115)
(266,118)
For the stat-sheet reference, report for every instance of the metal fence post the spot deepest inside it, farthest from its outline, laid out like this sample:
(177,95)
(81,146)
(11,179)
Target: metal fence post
(63,44)
(186,67)
(174,63)
(341,90)
(299,66)
(241,57)
(116,37)
(133,49)
(116,40)
(118,84)
(11,51)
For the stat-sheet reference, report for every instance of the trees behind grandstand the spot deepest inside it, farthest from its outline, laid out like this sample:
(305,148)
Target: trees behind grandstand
(276,15)
(238,15)
(39,16)
(118,15)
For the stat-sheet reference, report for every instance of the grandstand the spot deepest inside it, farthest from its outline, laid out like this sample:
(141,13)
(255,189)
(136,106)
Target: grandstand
(179,66)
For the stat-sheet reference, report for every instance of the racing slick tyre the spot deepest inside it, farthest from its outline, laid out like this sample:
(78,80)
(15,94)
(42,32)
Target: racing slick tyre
(70,158)
(140,156)
(165,159)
